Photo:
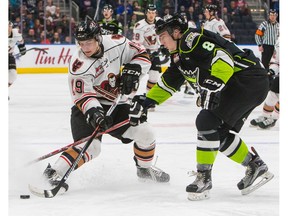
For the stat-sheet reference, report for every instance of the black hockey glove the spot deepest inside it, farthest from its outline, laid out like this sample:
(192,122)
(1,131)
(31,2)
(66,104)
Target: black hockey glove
(137,114)
(138,110)
(95,117)
(164,51)
(22,49)
(210,93)
(130,78)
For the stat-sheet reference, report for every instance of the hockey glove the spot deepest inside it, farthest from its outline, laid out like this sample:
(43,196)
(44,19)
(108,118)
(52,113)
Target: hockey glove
(22,49)
(210,93)
(164,51)
(95,117)
(130,78)
(137,114)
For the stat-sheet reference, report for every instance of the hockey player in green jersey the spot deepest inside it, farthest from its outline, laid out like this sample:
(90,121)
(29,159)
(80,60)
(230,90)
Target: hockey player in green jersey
(230,82)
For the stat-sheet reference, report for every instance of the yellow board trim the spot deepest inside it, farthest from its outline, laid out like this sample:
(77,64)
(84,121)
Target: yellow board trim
(51,70)
(41,70)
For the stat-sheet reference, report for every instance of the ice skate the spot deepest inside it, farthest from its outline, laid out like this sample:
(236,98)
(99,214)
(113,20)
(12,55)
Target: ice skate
(200,188)
(152,108)
(255,122)
(267,123)
(256,175)
(152,173)
(54,179)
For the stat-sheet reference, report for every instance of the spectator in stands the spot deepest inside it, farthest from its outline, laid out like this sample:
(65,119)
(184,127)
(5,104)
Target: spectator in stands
(131,24)
(44,39)
(182,11)
(57,15)
(137,10)
(29,19)
(197,11)
(31,38)
(243,8)
(200,21)
(17,22)
(88,7)
(56,39)
(166,12)
(227,17)
(233,9)
(191,14)
(67,40)
(50,7)
(39,13)
(31,5)
(48,15)
(60,33)
(38,28)
(64,24)
(120,10)
(49,29)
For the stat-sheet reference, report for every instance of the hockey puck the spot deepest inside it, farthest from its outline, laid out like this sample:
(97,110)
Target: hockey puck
(24,196)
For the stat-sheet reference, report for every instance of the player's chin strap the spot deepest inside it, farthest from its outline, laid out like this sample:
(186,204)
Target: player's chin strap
(53,192)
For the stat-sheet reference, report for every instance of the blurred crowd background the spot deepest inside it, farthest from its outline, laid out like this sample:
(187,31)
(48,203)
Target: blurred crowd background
(53,21)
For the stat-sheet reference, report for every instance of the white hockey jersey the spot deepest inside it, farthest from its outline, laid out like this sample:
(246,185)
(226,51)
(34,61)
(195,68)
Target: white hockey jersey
(15,39)
(144,33)
(95,81)
(218,26)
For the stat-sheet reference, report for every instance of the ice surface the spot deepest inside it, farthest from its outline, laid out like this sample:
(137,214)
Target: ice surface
(39,115)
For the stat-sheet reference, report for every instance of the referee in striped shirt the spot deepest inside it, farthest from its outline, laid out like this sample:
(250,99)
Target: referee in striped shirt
(266,36)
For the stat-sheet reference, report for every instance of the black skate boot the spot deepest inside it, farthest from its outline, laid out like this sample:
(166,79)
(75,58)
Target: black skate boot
(54,179)
(267,123)
(152,173)
(200,188)
(256,169)
(255,122)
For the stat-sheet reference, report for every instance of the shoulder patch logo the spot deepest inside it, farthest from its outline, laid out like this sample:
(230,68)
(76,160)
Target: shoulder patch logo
(190,38)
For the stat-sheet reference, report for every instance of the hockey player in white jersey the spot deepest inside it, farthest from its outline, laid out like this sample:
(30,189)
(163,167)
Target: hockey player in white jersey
(14,39)
(214,23)
(144,33)
(271,106)
(95,81)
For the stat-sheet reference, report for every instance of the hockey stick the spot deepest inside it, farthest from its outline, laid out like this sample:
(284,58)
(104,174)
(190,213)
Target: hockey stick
(97,10)
(53,192)
(114,127)
(18,55)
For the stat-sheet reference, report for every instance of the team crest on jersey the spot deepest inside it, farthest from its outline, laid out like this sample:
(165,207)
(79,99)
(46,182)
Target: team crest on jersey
(190,38)
(190,75)
(76,65)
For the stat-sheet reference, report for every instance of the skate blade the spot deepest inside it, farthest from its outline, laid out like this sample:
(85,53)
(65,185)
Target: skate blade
(266,177)
(199,196)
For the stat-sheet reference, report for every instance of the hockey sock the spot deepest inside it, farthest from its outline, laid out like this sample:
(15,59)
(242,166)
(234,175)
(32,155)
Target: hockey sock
(144,157)
(235,149)
(207,147)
